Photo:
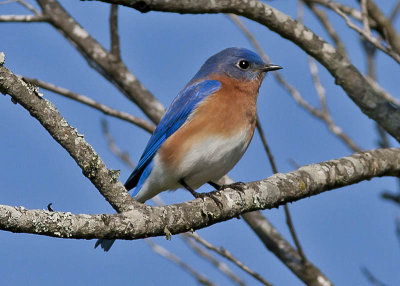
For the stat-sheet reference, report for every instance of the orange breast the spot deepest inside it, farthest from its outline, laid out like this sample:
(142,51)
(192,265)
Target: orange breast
(225,113)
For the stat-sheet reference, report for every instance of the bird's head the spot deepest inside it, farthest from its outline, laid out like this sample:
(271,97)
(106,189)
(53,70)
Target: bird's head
(237,63)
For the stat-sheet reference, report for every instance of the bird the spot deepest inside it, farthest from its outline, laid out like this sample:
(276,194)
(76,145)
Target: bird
(206,129)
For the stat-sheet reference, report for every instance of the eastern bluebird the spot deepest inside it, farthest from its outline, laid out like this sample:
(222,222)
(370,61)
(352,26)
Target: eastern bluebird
(206,129)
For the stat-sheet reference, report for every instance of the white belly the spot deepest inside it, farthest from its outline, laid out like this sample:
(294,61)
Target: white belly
(212,158)
(205,161)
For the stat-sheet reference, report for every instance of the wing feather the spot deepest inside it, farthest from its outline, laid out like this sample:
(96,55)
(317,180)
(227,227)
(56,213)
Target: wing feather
(176,115)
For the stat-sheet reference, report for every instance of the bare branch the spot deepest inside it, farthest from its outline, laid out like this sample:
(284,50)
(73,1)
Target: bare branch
(101,60)
(368,36)
(28,6)
(24,18)
(115,50)
(123,156)
(144,124)
(289,221)
(6,2)
(23,3)
(352,12)
(277,190)
(383,25)
(323,19)
(391,197)
(364,16)
(345,74)
(386,95)
(175,259)
(271,238)
(395,12)
(371,278)
(220,265)
(225,253)
(326,116)
(397,222)
(68,137)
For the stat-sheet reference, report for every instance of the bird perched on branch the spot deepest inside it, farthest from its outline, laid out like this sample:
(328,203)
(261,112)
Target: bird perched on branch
(206,129)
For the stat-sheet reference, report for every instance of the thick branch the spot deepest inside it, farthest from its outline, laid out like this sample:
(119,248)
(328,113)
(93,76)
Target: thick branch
(68,137)
(345,74)
(147,221)
(106,63)
(272,239)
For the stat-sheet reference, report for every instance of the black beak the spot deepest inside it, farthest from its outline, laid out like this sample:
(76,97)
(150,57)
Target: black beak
(271,67)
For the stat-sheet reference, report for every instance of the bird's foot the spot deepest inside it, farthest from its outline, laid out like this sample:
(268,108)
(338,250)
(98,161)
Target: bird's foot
(238,186)
(202,195)
(211,195)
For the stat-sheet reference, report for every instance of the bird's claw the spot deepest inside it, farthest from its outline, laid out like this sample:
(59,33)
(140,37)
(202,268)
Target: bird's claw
(212,196)
(238,186)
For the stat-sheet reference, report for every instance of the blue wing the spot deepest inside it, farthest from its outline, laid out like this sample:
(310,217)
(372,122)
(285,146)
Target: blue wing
(175,116)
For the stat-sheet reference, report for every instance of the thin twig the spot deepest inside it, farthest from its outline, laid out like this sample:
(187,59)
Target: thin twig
(369,37)
(323,19)
(28,6)
(100,59)
(383,26)
(391,197)
(220,265)
(371,278)
(395,12)
(300,10)
(124,156)
(289,221)
(352,12)
(6,2)
(364,15)
(24,18)
(386,95)
(23,3)
(175,259)
(225,253)
(318,85)
(325,114)
(115,49)
(144,124)
(397,222)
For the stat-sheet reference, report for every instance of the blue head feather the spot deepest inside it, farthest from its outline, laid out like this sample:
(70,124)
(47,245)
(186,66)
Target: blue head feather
(227,62)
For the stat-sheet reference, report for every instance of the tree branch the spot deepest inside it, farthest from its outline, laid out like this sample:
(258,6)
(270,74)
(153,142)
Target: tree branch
(383,25)
(271,238)
(146,221)
(323,19)
(345,74)
(175,259)
(114,35)
(68,137)
(23,18)
(144,124)
(103,61)
(225,253)
(221,266)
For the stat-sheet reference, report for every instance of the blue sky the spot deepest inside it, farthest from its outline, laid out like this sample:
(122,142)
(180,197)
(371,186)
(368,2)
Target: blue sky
(341,230)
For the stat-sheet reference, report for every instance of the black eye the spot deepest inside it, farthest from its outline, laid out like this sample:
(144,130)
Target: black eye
(244,65)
